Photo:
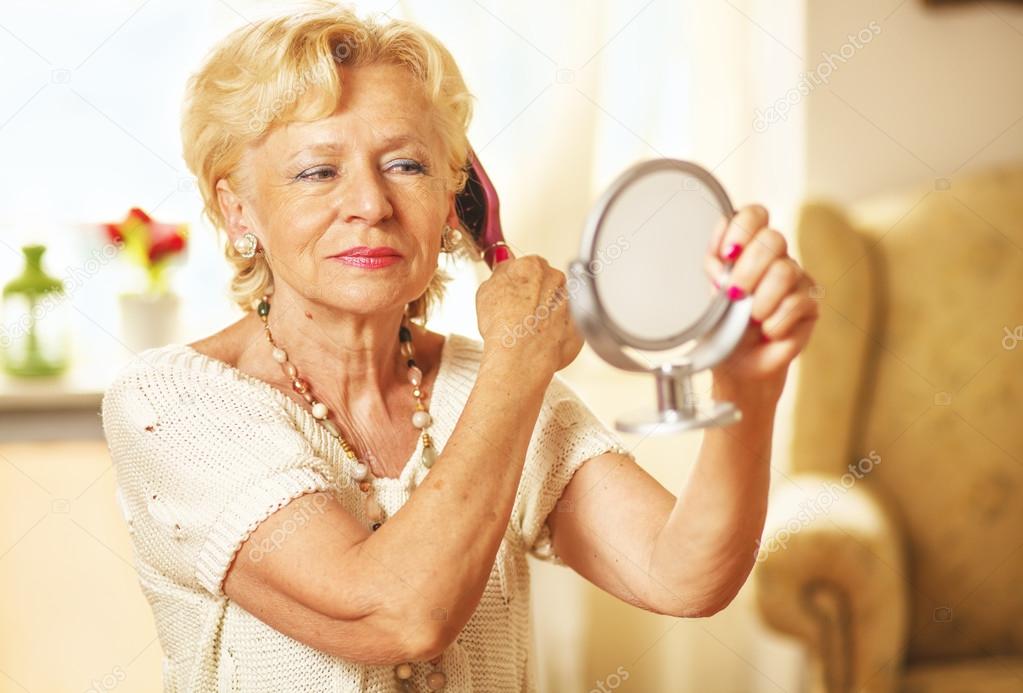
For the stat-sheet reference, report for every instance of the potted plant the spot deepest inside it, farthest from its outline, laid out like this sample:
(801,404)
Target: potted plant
(149,317)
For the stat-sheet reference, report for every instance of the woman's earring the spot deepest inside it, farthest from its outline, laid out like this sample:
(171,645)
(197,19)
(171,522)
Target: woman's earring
(449,239)
(247,244)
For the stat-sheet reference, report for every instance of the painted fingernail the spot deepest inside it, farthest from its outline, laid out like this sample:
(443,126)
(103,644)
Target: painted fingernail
(764,338)
(733,251)
(735,293)
(756,322)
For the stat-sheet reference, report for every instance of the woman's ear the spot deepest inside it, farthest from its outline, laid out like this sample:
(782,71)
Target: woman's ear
(232,209)
(453,221)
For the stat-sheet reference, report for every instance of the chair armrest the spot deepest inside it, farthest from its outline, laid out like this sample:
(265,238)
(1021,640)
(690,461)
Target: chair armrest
(831,572)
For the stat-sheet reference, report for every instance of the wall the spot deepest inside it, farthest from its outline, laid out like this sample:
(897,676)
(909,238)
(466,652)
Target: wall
(937,93)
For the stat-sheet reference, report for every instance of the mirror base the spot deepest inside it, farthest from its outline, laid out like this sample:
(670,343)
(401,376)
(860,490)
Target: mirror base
(668,421)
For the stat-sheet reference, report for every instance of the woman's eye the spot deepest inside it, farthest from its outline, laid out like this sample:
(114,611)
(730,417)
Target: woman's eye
(410,165)
(317,173)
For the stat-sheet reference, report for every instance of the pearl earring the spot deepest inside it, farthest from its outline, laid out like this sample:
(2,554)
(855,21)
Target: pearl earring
(449,238)
(247,244)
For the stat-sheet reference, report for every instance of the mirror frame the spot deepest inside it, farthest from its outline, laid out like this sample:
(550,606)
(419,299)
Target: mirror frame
(604,334)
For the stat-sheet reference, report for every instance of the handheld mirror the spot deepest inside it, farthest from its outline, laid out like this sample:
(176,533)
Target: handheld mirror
(645,300)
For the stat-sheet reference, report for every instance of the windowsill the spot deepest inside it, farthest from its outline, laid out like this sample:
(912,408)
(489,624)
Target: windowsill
(61,407)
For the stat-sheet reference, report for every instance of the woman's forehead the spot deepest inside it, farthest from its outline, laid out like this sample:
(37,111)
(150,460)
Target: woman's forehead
(381,106)
(344,130)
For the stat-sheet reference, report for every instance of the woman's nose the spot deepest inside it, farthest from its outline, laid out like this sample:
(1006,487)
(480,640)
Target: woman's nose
(364,197)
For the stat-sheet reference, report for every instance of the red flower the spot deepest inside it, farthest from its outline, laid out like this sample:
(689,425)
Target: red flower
(114,232)
(136,213)
(166,240)
(146,239)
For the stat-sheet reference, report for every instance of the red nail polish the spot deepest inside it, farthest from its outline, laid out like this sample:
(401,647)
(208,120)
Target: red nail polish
(500,254)
(735,293)
(734,251)
(756,322)
(764,338)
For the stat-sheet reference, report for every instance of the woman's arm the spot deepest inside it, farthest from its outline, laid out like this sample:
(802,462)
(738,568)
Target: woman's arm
(688,556)
(623,531)
(405,591)
(708,543)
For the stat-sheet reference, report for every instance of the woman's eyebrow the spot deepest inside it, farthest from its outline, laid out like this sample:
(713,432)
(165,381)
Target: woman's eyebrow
(335,147)
(403,138)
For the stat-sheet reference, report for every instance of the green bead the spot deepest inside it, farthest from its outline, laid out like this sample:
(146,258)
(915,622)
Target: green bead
(429,456)
(263,309)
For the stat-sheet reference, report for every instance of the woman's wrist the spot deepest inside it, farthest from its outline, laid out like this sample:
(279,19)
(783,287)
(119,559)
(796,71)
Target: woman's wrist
(758,393)
(505,364)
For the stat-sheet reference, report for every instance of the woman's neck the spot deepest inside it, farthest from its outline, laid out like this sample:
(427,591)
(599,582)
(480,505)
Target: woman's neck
(352,362)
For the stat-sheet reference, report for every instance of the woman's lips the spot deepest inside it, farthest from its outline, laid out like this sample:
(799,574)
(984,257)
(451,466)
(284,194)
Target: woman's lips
(367,262)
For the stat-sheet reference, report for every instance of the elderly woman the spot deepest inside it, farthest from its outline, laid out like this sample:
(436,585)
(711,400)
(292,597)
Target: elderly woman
(325,495)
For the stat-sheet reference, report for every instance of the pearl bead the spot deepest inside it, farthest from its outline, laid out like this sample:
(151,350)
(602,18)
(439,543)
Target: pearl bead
(403,671)
(417,393)
(421,419)
(320,410)
(307,397)
(435,680)
(360,471)
(290,369)
(415,376)
(280,356)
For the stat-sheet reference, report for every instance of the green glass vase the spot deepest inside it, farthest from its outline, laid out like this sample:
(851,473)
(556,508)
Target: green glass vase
(35,340)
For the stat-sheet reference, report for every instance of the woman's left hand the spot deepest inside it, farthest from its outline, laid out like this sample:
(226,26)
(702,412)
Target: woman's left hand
(784,310)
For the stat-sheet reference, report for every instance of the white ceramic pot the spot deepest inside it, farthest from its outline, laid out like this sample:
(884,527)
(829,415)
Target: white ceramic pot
(148,320)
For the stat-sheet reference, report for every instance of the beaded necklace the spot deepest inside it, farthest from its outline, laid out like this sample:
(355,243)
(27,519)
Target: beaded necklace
(361,474)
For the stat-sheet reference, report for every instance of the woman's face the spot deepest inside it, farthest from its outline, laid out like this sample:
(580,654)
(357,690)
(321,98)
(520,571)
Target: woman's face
(368,175)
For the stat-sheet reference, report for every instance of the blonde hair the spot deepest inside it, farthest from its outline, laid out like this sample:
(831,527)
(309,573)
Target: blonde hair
(287,68)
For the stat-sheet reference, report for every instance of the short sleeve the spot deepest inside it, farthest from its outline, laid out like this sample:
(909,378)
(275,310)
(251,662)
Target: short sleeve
(200,459)
(567,434)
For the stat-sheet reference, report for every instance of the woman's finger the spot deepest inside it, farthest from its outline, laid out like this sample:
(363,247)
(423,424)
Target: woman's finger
(791,310)
(781,278)
(766,246)
(773,356)
(741,229)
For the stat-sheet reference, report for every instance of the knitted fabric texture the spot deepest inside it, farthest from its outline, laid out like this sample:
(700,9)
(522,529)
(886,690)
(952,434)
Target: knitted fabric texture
(203,453)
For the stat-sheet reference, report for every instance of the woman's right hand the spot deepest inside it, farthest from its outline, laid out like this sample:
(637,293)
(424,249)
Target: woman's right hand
(522,313)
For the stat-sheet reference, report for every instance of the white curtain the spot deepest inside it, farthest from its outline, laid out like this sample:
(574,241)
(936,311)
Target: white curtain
(569,95)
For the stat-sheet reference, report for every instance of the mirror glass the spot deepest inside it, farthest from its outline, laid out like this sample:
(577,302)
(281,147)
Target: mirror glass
(652,242)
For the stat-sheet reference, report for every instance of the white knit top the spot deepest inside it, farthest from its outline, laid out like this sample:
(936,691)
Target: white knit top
(204,452)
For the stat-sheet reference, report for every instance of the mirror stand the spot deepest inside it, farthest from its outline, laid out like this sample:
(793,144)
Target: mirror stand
(678,406)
